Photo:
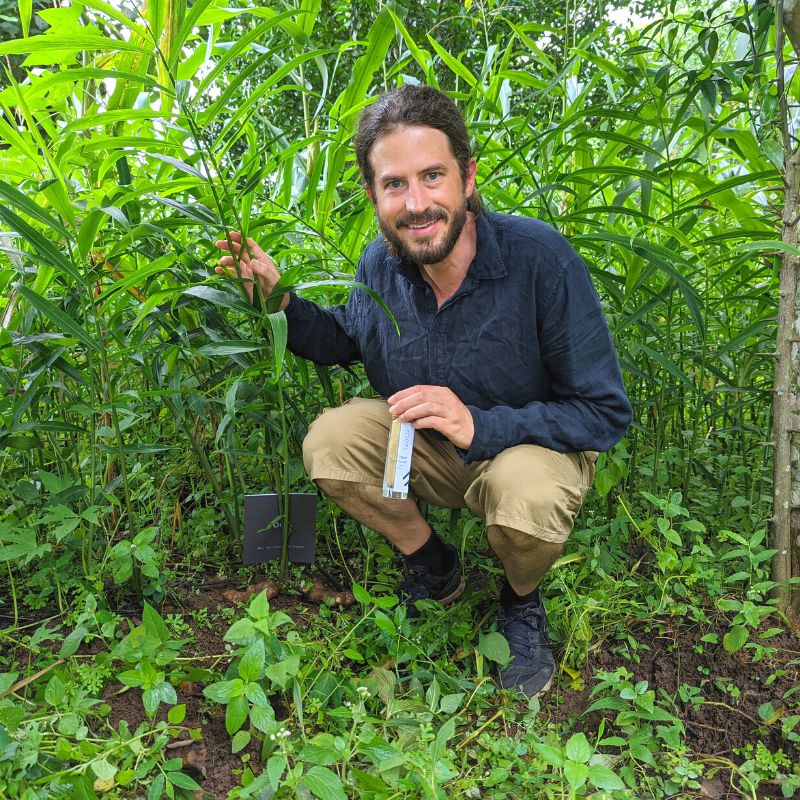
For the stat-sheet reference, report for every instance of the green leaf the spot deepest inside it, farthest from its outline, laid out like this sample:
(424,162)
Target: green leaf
(184,782)
(177,714)
(361,594)
(224,691)
(156,791)
(63,322)
(282,671)
(259,606)
(453,64)
(153,624)
(68,43)
(578,748)
(263,719)
(323,784)
(735,639)
(241,632)
(552,755)
(251,667)
(240,740)
(25,9)
(275,768)
(603,778)
(55,692)
(494,646)
(280,335)
(103,769)
(575,773)
(7,680)
(72,642)
(255,694)
(450,703)
(229,348)
(236,714)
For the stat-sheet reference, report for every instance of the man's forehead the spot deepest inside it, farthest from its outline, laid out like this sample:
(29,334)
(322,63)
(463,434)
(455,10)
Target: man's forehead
(408,141)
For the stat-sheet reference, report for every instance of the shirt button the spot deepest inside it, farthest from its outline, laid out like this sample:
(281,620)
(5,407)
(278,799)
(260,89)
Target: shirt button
(435,338)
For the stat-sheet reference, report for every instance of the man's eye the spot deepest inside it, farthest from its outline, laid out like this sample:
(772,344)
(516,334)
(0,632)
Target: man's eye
(432,176)
(395,184)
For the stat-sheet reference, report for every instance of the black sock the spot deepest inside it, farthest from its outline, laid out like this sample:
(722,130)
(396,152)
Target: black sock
(508,597)
(433,555)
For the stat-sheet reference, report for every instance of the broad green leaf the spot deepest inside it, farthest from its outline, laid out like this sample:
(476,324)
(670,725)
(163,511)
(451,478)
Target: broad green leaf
(263,719)
(68,43)
(104,770)
(603,778)
(240,740)
(578,748)
(224,691)
(184,782)
(575,773)
(251,667)
(72,642)
(735,639)
(323,784)
(494,646)
(552,755)
(275,768)
(236,714)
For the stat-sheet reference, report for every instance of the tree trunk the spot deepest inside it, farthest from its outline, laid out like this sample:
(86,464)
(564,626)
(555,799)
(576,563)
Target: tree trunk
(786,519)
(786,483)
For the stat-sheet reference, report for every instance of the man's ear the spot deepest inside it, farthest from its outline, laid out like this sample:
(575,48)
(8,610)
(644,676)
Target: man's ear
(370,193)
(469,180)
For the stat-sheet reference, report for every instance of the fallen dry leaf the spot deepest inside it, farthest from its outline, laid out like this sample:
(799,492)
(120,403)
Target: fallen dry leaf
(319,593)
(712,788)
(272,588)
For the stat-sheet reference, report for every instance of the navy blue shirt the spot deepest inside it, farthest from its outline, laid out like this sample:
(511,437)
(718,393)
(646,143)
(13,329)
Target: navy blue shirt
(523,342)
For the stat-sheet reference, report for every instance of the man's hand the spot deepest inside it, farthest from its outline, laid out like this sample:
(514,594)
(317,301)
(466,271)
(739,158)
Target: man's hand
(254,265)
(434,407)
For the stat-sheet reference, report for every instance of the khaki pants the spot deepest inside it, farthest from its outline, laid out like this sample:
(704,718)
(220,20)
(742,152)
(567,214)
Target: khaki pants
(526,488)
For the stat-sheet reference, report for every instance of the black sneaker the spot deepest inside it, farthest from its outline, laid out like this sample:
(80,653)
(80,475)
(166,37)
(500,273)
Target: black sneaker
(532,665)
(419,583)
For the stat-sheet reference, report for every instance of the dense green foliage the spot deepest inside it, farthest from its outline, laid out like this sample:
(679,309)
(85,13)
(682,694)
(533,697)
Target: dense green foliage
(142,395)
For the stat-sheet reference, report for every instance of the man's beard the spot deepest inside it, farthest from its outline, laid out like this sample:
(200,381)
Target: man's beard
(426,252)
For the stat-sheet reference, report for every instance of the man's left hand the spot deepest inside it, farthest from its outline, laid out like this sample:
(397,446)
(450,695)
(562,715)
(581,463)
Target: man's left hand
(434,407)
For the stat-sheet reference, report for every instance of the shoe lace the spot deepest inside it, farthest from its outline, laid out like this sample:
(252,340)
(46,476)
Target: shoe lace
(414,582)
(522,628)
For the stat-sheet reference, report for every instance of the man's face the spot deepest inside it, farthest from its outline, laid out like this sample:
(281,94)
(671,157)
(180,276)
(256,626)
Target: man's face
(419,196)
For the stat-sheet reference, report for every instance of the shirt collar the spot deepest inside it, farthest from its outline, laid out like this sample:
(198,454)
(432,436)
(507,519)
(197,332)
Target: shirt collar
(487,264)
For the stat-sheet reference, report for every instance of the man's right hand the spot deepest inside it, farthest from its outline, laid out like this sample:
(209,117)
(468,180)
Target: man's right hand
(254,265)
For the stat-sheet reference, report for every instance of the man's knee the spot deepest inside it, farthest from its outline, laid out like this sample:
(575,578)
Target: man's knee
(335,488)
(533,491)
(348,442)
(525,558)
(511,544)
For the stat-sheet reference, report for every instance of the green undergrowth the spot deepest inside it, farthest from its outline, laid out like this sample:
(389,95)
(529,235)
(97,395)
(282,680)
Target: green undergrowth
(362,702)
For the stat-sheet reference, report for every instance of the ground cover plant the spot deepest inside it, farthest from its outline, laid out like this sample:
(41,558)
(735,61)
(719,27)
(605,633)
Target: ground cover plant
(142,396)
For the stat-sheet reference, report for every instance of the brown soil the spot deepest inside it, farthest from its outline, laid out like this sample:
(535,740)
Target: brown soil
(732,685)
(733,688)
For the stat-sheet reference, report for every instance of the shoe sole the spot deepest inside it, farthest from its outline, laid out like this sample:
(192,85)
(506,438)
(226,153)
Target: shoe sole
(454,595)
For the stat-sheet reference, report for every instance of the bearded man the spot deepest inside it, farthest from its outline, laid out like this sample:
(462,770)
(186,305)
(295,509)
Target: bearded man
(504,365)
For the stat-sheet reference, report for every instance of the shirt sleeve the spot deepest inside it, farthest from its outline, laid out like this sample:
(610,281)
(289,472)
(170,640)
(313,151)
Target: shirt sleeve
(324,335)
(589,409)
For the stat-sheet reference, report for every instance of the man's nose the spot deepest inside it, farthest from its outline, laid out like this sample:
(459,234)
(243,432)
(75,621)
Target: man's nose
(416,198)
